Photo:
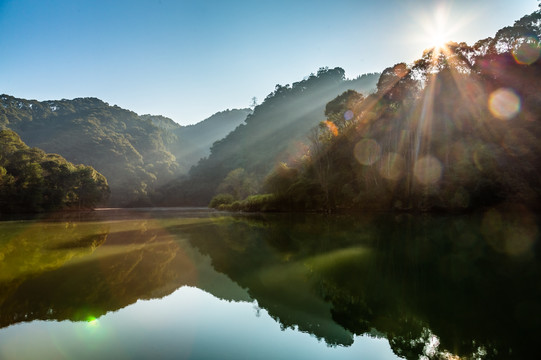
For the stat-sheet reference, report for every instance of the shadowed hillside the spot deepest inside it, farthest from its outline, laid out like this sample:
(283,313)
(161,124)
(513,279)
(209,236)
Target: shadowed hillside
(33,181)
(135,153)
(194,141)
(276,131)
(456,130)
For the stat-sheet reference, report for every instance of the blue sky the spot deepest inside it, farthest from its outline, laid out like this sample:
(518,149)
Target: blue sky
(188,59)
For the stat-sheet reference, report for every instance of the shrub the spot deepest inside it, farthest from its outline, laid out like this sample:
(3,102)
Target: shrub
(219,200)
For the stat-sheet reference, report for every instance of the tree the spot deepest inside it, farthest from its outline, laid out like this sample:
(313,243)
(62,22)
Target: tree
(320,138)
(89,186)
(253,103)
(238,183)
(33,181)
(280,180)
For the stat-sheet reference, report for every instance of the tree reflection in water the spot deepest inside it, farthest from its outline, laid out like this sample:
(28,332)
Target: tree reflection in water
(62,269)
(434,286)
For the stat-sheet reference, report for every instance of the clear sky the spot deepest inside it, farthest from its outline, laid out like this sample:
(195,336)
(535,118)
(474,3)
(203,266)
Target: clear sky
(187,59)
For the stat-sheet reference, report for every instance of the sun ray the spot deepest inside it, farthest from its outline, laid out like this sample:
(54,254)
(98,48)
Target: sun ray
(437,25)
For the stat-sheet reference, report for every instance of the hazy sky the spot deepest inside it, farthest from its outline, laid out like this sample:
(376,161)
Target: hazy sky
(188,59)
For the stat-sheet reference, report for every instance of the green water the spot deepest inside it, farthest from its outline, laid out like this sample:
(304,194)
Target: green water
(195,284)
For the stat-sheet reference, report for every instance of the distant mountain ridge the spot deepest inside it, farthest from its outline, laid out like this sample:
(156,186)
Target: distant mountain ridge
(135,153)
(146,158)
(33,181)
(194,141)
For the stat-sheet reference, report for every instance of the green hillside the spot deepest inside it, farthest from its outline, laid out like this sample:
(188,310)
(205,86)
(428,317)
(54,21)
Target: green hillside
(129,151)
(458,129)
(136,153)
(33,181)
(194,141)
(276,131)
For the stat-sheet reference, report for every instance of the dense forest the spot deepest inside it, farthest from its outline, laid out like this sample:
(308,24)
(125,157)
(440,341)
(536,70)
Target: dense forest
(32,181)
(146,158)
(275,132)
(414,276)
(136,153)
(458,129)
(194,141)
(455,130)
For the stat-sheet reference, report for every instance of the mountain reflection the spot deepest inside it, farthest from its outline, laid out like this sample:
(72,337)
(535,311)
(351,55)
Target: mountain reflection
(434,286)
(63,270)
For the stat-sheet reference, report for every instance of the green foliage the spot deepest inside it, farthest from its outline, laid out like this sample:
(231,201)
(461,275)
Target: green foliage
(342,110)
(138,154)
(275,132)
(435,136)
(262,202)
(32,181)
(238,184)
(221,199)
(253,203)
(194,141)
(128,150)
(281,179)
(422,136)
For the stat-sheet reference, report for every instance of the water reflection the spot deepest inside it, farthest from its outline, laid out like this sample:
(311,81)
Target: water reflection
(65,270)
(433,286)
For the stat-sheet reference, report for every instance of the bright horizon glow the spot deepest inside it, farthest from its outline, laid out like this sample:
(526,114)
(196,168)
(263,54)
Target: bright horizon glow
(189,59)
(438,40)
(440,33)
(439,27)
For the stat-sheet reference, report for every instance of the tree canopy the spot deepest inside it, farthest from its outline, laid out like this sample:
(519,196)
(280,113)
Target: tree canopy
(137,154)
(457,129)
(33,181)
(275,132)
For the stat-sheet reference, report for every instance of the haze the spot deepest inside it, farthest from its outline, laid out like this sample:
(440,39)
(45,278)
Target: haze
(190,59)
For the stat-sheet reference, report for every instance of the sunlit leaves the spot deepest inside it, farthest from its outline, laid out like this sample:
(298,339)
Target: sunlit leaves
(430,136)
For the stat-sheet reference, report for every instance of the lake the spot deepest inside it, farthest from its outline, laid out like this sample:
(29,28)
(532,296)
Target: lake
(198,284)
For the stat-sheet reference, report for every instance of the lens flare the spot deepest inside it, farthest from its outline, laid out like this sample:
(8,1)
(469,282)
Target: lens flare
(332,127)
(92,321)
(504,103)
(427,170)
(348,115)
(528,52)
(513,232)
(367,151)
(438,40)
(437,25)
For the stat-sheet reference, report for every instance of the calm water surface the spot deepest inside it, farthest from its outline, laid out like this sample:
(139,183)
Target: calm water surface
(197,284)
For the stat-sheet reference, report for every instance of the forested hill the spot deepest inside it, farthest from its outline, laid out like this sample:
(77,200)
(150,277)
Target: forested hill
(276,131)
(194,141)
(135,153)
(129,151)
(33,181)
(457,129)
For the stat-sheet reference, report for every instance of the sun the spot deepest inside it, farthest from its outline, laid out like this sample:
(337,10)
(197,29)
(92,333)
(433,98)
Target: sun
(437,26)
(438,30)
(438,39)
